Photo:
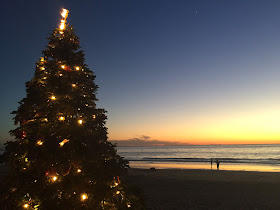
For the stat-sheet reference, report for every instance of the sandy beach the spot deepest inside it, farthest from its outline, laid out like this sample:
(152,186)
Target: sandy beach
(204,189)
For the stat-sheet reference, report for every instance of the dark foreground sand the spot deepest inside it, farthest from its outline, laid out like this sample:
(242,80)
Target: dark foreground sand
(206,189)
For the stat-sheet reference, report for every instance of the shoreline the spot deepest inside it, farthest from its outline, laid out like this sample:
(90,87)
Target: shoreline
(204,166)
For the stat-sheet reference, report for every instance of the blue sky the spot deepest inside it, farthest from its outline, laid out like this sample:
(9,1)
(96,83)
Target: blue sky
(194,71)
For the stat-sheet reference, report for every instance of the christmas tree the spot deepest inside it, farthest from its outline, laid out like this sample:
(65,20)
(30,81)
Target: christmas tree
(61,157)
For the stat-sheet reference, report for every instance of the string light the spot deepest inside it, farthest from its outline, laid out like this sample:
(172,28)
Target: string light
(80,122)
(54,178)
(79,170)
(42,59)
(61,118)
(118,192)
(39,142)
(53,97)
(93,116)
(84,197)
(77,68)
(26,160)
(46,119)
(73,85)
(63,66)
(60,74)
(128,205)
(25,206)
(63,142)
(43,68)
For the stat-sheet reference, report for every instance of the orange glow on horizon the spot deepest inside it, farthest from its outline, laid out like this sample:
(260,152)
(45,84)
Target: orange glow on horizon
(237,128)
(228,126)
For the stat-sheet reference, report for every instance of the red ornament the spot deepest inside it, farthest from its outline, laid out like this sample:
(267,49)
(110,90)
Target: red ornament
(67,68)
(21,135)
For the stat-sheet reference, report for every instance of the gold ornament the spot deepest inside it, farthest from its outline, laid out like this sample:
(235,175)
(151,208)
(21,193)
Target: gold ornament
(63,142)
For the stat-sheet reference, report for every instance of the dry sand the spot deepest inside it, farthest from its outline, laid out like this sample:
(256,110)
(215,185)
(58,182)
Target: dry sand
(206,189)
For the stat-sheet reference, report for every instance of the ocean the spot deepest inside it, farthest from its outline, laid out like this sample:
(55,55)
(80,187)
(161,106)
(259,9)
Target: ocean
(264,157)
(231,157)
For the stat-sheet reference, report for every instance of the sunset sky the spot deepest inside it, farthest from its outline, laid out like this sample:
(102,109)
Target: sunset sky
(193,71)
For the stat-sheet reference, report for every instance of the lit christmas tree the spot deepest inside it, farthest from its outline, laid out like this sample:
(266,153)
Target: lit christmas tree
(61,157)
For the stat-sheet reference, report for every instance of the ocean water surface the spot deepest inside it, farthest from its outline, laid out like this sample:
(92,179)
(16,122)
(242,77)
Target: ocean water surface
(231,157)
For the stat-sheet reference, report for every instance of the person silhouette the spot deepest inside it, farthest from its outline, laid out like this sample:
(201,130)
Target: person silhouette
(218,164)
(211,162)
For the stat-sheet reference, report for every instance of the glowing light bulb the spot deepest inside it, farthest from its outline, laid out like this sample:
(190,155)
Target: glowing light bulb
(128,205)
(53,97)
(77,68)
(46,119)
(44,77)
(118,192)
(25,206)
(54,178)
(61,118)
(63,66)
(73,85)
(93,116)
(60,74)
(26,159)
(79,170)
(43,68)
(84,196)
(116,184)
(42,59)
(80,122)
(39,142)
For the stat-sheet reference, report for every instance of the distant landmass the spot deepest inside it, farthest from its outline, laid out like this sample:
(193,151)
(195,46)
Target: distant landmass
(144,142)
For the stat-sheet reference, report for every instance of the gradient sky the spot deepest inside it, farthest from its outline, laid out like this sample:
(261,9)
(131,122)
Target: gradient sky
(195,71)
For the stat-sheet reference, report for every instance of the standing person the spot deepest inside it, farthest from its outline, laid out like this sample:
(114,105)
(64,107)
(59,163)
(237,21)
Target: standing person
(211,163)
(218,164)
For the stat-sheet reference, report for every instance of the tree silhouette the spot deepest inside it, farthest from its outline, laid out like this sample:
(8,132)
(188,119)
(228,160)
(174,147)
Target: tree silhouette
(61,157)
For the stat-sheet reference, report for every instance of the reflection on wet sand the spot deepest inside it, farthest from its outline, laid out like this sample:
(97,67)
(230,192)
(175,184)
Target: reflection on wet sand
(231,167)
